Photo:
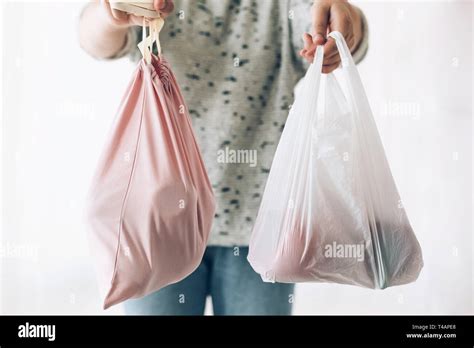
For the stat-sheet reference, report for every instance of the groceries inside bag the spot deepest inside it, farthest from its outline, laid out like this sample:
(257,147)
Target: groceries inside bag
(331,211)
(150,205)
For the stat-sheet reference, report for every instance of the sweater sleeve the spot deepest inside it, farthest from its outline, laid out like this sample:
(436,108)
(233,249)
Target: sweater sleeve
(130,45)
(361,50)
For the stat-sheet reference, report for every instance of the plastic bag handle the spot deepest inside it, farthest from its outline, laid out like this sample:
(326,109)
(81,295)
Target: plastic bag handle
(319,57)
(344,51)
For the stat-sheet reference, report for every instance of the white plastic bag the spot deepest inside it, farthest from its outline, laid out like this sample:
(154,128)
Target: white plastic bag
(331,211)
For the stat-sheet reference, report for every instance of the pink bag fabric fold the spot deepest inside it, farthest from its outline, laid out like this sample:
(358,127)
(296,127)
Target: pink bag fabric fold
(151,205)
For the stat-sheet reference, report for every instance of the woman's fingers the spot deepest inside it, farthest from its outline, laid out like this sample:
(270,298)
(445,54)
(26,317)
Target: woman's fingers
(120,15)
(331,54)
(333,15)
(164,7)
(118,18)
(309,48)
(307,40)
(320,16)
(332,60)
(159,4)
(330,48)
(330,68)
(341,20)
(136,20)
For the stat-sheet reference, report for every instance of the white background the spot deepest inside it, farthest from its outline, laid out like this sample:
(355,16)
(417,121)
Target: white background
(57,105)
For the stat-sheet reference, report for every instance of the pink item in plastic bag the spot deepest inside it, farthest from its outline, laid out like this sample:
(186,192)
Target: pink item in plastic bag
(151,205)
(331,211)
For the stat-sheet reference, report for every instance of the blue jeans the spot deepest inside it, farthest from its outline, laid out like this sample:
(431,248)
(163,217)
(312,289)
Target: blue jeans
(233,285)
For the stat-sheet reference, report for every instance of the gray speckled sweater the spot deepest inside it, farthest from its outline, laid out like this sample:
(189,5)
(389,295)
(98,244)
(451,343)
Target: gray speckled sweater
(237,63)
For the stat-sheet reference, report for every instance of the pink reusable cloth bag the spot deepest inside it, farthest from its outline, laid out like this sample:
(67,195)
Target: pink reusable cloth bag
(151,205)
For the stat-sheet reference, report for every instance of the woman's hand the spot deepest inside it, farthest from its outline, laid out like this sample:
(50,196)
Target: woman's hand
(103,30)
(327,16)
(165,7)
(122,19)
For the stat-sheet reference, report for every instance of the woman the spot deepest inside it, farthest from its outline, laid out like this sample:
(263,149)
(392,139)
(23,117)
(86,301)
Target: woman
(237,64)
